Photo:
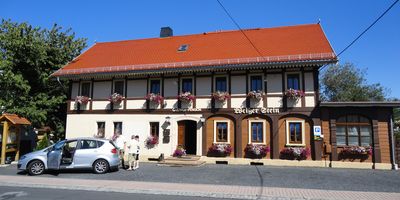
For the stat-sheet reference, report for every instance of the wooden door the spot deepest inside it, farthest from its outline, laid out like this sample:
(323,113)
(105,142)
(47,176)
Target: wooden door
(181,133)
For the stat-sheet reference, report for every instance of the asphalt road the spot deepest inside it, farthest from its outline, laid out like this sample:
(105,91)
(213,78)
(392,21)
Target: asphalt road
(267,176)
(20,193)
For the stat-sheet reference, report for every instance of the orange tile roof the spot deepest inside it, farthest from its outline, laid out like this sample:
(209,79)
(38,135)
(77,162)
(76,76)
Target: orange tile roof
(290,43)
(15,119)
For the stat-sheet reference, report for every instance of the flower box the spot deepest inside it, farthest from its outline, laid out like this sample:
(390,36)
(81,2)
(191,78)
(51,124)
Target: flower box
(186,97)
(151,142)
(256,95)
(294,94)
(154,98)
(82,100)
(295,153)
(256,150)
(179,152)
(116,98)
(220,96)
(356,150)
(220,150)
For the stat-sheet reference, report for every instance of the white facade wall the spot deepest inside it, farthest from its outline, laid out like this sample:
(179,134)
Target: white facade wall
(310,101)
(275,102)
(81,125)
(238,102)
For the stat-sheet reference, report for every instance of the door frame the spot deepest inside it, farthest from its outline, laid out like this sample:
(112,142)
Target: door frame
(198,133)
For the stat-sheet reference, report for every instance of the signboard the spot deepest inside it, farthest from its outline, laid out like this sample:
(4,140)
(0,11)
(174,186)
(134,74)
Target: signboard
(318,133)
(256,111)
(166,134)
(186,109)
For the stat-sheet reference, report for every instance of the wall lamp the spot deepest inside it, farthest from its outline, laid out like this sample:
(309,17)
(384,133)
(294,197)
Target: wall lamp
(168,119)
(202,120)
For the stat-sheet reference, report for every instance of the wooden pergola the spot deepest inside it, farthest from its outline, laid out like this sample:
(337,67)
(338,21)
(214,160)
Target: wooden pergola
(11,136)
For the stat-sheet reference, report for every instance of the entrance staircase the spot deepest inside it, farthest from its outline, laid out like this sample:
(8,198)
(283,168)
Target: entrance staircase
(188,160)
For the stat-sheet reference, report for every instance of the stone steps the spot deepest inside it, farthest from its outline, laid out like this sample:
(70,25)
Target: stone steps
(188,160)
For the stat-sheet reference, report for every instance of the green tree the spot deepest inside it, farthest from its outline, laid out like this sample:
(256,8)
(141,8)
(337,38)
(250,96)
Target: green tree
(347,83)
(28,55)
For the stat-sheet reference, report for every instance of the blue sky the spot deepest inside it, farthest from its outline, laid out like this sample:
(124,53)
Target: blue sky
(378,51)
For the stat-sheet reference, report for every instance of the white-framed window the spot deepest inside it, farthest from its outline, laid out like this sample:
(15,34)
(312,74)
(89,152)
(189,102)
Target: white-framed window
(101,129)
(155,86)
(221,131)
(256,82)
(295,133)
(154,129)
(119,87)
(221,83)
(257,132)
(293,81)
(86,88)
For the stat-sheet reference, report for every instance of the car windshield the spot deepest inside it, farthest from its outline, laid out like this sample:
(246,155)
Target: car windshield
(59,145)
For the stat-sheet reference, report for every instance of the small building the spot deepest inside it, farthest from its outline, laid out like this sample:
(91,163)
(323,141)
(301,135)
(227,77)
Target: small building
(217,90)
(11,129)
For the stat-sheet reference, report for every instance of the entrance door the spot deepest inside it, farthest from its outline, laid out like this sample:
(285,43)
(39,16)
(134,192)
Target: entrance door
(187,135)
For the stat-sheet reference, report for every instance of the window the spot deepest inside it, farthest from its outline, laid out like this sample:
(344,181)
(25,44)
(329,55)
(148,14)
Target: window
(220,84)
(256,83)
(85,89)
(257,132)
(100,129)
(88,144)
(293,81)
(117,128)
(353,130)
(154,129)
(183,47)
(119,87)
(221,131)
(187,85)
(295,133)
(155,86)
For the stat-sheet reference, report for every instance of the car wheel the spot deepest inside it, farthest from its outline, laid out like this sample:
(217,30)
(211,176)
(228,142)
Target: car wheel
(36,168)
(100,166)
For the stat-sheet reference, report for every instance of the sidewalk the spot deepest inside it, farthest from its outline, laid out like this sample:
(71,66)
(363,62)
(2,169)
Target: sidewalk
(195,190)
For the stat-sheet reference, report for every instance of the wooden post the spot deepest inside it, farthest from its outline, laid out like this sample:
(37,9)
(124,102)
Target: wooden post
(4,143)
(18,129)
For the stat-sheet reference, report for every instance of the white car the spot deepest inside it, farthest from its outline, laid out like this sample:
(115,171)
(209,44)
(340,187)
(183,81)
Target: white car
(101,155)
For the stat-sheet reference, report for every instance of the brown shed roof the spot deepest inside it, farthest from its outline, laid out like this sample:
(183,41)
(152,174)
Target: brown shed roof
(15,119)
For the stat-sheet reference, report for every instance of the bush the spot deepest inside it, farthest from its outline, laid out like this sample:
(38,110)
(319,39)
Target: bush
(43,143)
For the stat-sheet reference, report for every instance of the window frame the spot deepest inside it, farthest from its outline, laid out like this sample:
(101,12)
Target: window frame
(81,88)
(192,81)
(303,139)
(215,82)
(123,86)
(291,74)
(250,83)
(358,125)
(122,126)
(158,128)
(149,85)
(228,131)
(97,128)
(264,134)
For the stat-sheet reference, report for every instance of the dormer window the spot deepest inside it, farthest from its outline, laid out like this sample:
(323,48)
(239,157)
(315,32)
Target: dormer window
(183,48)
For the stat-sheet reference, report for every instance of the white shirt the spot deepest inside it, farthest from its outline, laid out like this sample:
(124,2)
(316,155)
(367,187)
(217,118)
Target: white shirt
(120,142)
(133,146)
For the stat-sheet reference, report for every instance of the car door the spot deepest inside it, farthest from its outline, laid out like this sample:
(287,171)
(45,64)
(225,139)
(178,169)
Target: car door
(86,153)
(54,156)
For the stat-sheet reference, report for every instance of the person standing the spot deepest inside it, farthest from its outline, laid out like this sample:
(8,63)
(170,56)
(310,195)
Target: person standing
(136,163)
(120,142)
(132,151)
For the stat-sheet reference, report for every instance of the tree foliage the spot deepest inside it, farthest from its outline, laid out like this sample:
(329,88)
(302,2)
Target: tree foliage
(28,55)
(347,83)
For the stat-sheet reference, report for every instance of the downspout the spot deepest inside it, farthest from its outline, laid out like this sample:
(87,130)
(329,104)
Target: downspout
(392,155)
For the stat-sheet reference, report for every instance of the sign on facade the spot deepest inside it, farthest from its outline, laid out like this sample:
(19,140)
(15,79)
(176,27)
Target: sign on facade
(318,133)
(256,111)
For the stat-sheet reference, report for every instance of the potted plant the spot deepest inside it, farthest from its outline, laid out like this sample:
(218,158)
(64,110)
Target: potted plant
(295,153)
(294,94)
(220,150)
(115,98)
(256,95)
(82,100)
(179,152)
(220,96)
(154,98)
(151,142)
(186,97)
(256,150)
